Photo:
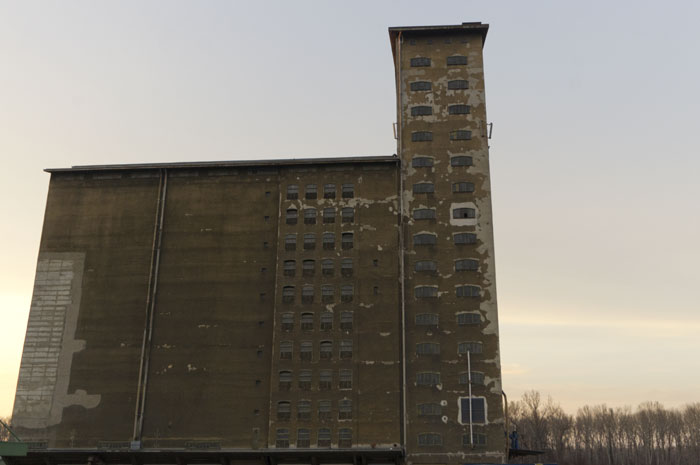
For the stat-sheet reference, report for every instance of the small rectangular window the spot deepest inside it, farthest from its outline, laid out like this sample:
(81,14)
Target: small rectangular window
(457,84)
(306,350)
(425,265)
(345,349)
(329,191)
(462,213)
(458,109)
(456,60)
(464,319)
(290,267)
(324,412)
(311,191)
(478,410)
(429,410)
(479,439)
(308,267)
(348,214)
(421,110)
(346,321)
(309,241)
(427,348)
(327,267)
(345,438)
(329,215)
(421,136)
(307,294)
(307,321)
(460,135)
(468,291)
(305,380)
(345,379)
(345,409)
(303,438)
(287,321)
(288,294)
(348,191)
(466,264)
(420,162)
(477,378)
(290,242)
(282,438)
(419,62)
(347,240)
(324,434)
(465,238)
(429,439)
(428,379)
(304,410)
(423,292)
(471,347)
(326,350)
(326,321)
(309,216)
(292,191)
(461,160)
(325,381)
(327,294)
(460,187)
(421,86)
(284,411)
(427,319)
(285,380)
(424,188)
(346,267)
(424,239)
(292,215)
(328,241)
(346,293)
(424,214)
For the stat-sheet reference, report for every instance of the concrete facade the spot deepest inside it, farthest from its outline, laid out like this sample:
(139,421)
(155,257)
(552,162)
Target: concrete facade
(324,305)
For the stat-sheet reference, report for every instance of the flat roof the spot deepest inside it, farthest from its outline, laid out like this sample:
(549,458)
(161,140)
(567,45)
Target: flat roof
(477,27)
(230,163)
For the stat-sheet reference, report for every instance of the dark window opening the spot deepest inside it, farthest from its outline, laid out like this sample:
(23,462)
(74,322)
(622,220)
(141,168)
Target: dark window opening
(460,135)
(461,160)
(421,86)
(421,136)
(421,110)
(419,62)
(420,162)
(458,109)
(311,191)
(456,60)
(461,213)
(458,84)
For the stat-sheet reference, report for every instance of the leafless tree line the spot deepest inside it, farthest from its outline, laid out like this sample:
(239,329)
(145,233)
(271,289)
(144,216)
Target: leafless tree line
(599,435)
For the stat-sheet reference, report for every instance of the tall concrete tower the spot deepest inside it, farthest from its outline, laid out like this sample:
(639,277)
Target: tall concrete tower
(449,305)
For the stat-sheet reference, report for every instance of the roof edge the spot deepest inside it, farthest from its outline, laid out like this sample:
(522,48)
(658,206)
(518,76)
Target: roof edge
(229,163)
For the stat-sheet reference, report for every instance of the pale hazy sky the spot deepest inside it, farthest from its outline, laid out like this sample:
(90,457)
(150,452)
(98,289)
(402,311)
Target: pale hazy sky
(595,152)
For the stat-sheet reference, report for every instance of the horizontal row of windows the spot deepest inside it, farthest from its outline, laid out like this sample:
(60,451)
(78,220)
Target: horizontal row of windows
(422,86)
(427,110)
(304,438)
(308,267)
(462,264)
(435,439)
(327,239)
(454,60)
(430,378)
(433,319)
(429,187)
(459,160)
(467,290)
(311,191)
(325,350)
(459,238)
(325,321)
(304,408)
(347,291)
(427,136)
(347,214)
(433,348)
(325,380)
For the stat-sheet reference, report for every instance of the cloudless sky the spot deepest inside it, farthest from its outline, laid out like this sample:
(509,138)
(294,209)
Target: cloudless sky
(595,155)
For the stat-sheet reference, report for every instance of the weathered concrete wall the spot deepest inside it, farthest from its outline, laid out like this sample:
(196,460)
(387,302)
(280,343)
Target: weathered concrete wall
(428,129)
(211,269)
